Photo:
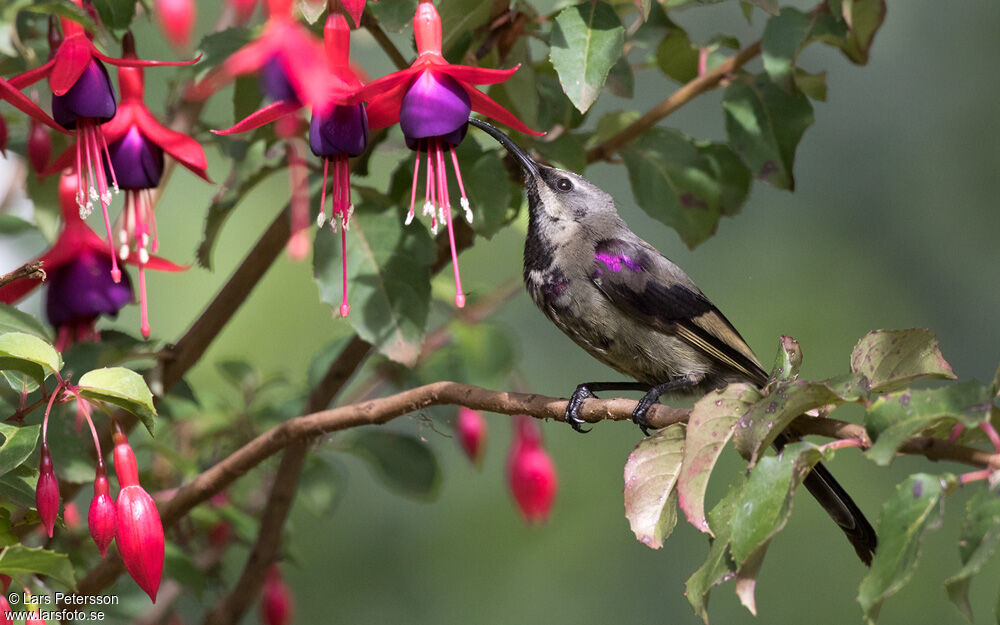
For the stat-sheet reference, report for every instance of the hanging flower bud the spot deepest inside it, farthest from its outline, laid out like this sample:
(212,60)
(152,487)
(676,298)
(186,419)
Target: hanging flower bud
(530,472)
(139,531)
(39,147)
(102,513)
(471,428)
(222,531)
(243,9)
(6,618)
(276,600)
(47,491)
(71,515)
(177,20)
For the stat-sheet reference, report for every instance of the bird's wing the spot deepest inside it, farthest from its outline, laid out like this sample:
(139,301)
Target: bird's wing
(643,284)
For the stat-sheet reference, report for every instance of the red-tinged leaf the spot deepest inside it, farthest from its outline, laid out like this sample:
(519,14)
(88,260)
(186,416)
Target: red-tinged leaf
(484,105)
(69,62)
(891,359)
(26,106)
(478,75)
(650,474)
(270,113)
(709,429)
(181,147)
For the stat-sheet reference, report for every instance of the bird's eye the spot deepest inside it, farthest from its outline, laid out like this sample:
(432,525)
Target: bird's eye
(564,184)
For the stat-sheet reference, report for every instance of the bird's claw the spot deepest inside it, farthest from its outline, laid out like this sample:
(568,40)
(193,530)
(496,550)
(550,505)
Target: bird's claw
(639,415)
(572,415)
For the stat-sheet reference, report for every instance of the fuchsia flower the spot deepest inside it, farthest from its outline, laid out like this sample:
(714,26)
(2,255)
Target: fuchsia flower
(136,142)
(276,599)
(39,147)
(243,9)
(101,517)
(432,100)
(471,428)
(82,100)
(354,8)
(530,472)
(139,531)
(176,18)
(47,491)
(80,285)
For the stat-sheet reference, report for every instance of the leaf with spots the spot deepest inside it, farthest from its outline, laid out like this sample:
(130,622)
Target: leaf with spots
(586,41)
(895,417)
(710,427)
(979,541)
(650,475)
(914,508)
(388,278)
(718,566)
(765,122)
(686,184)
(789,359)
(891,359)
(787,34)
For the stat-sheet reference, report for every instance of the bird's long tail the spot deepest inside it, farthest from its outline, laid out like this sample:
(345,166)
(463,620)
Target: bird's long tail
(841,508)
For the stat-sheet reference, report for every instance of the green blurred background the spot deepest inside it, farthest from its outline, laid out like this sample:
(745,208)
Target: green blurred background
(893,224)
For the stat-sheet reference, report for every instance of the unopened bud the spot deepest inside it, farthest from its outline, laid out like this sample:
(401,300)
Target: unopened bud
(276,600)
(101,518)
(471,429)
(47,491)
(39,147)
(531,473)
(138,529)
(177,19)
(71,516)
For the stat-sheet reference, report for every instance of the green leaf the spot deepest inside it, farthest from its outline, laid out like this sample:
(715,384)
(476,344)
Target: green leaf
(29,354)
(788,33)
(891,359)
(609,125)
(252,163)
(123,388)
(404,463)
(18,487)
(895,417)
(485,179)
(768,6)
(21,560)
(14,320)
(914,508)
(60,8)
(393,16)
(18,444)
(388,277)
(587,40)
(240,373)
(764,123)
(710,427)
(11,225)
(675,56)
(218,46)
(621,79)
(566,151)
(116,14)
(863,19)
(813,85)
(554,108)
(459,17)
(650,474)
(789,359)
(979,541)
(686,184)
(719,565)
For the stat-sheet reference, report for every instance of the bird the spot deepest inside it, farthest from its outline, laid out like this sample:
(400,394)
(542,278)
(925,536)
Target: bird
(630,307)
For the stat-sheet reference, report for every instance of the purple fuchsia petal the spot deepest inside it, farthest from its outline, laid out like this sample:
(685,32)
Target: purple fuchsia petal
(274,82)
(344,130)
(91,96)
(84,289)
(435,105)
(137,161)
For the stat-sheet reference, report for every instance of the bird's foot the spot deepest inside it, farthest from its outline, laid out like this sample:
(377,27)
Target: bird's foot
(572,415)
(641,410)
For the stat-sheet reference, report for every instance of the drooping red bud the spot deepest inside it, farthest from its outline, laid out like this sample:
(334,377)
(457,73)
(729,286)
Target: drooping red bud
(101,518)
(39,147)
(276,605)
(71,516)
(177,19)
(531,473)
(6,618)
(243,9)
(138,529)
(47,491)
(471,428)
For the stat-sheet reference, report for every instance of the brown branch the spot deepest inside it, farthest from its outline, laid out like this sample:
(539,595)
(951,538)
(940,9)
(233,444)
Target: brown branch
(371,24)
(692,89)
(32,270)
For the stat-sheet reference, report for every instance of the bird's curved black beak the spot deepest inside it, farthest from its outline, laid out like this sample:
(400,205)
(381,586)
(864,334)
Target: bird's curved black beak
(526,161)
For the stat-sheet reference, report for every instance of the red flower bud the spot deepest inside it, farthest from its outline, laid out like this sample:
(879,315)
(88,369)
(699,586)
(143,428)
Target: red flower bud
(102,513)
(139,531)
(276,606)
(244,9)
(71,516)
(177,20)
(39,147)
(531,473)
(47,491)
(471,428)
(5,616)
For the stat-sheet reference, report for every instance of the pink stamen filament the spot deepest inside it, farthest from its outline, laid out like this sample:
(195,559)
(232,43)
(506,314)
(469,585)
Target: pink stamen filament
(344,194)
(298,243)
(429,200)
(461,185)
(974,476)
(322,197)
(87,133)
(413,189)
(446,206)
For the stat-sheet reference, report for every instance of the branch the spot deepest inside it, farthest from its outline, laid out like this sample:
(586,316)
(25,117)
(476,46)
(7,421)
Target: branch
(677,99)
(385,409)
(371,24)
(32,270)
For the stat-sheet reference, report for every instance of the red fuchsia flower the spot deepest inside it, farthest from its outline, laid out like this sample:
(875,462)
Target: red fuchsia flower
(101,518)
(432,100)
(139,531)
(136,144)
(530,472)
(47,491)
(354,8)
(276,606)
(80,285)
(176,18)
(471,428)
(82,100)
(243,9)
(6,618)
(39,147)
(71,515)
